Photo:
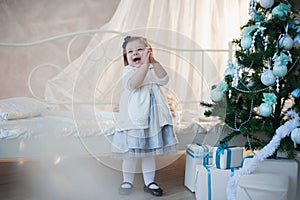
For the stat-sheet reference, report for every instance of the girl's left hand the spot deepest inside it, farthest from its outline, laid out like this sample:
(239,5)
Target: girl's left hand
(151,57)
(146,56)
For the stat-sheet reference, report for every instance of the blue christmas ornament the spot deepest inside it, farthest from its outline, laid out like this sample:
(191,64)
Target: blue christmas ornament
(297,37)
(296,93)
(266,108)
(281,10)
(294,25)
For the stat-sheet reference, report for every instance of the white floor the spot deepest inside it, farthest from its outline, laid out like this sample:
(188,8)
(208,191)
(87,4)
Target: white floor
(86,179)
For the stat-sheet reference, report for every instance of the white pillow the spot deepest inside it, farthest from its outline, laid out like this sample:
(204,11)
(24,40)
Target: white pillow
(21,107)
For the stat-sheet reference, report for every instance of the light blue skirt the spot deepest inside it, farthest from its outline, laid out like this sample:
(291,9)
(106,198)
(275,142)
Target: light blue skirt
(154,140)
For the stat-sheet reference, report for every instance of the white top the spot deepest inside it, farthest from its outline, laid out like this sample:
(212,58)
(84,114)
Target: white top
(135,103)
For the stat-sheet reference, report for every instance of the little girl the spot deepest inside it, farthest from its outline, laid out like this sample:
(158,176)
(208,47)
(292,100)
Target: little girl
(144,124)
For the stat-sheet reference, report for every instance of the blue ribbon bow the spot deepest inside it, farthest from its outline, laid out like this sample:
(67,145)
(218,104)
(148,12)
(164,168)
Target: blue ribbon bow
(220,150)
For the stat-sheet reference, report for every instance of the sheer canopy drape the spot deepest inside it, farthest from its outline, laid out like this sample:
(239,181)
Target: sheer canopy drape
(179,30)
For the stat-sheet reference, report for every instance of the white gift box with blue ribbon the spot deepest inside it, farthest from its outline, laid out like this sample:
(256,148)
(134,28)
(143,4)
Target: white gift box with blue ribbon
(196,154)
(277,166)
(225,157)
(262,186)
(211,182)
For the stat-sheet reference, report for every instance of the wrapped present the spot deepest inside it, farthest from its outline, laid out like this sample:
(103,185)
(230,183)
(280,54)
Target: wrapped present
(211,182)
(279,166)
(263,186)
(195,154)
(227,157)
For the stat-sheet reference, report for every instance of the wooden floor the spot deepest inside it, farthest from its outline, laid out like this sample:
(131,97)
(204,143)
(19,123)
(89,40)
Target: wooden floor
(85,178)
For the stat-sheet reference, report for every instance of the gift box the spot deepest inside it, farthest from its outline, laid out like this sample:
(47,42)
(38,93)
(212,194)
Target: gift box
(211,182)
(227,157)
(280,166)
(262,186)
(195,154)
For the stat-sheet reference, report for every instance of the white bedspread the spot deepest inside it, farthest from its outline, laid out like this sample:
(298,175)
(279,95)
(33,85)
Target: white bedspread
(88,124)
(62,123)
(80,133)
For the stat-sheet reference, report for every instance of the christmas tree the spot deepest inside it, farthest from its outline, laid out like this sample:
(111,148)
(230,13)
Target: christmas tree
(262,82)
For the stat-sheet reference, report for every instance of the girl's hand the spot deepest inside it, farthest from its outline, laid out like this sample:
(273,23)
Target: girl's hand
(146,56)
(151,57)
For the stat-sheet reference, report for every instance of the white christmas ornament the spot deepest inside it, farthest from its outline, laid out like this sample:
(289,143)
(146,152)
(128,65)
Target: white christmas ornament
(250,83)
(280,70)
(216,95)
(286,42)
(267,77)
(266,3)
(265,109)
(246,41)
(295,136)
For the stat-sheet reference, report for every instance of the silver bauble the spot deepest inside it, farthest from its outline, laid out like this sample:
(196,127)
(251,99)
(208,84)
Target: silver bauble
(286,42)
(265,109)
(266,3)
(267,77)
(246,41)
(279,70)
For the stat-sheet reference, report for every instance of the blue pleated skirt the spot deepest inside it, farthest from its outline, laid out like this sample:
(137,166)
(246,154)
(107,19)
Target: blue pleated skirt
(154,140)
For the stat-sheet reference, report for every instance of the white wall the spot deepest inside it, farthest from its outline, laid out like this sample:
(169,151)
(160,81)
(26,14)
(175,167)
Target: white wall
(25,21)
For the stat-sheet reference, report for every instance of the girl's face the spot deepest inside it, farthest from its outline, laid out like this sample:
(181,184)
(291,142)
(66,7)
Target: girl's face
(137,53)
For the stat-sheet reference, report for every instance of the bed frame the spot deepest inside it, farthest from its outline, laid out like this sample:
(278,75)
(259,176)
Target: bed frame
(43,147)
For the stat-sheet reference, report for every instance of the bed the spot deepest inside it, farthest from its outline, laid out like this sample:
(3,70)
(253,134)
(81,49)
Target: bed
(31,128)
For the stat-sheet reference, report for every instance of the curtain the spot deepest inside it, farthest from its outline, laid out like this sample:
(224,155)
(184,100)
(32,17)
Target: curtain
(189,37)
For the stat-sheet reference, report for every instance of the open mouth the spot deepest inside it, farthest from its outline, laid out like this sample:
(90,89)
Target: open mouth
(136,59)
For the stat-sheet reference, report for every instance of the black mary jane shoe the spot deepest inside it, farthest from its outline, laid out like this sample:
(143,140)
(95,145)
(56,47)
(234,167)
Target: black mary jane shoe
(154,192)
(125,191)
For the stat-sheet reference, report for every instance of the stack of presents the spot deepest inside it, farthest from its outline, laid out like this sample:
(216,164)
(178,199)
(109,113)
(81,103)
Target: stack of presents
(209,169)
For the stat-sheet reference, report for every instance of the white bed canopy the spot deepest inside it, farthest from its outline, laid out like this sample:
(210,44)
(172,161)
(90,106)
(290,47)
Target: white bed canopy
(189,37)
